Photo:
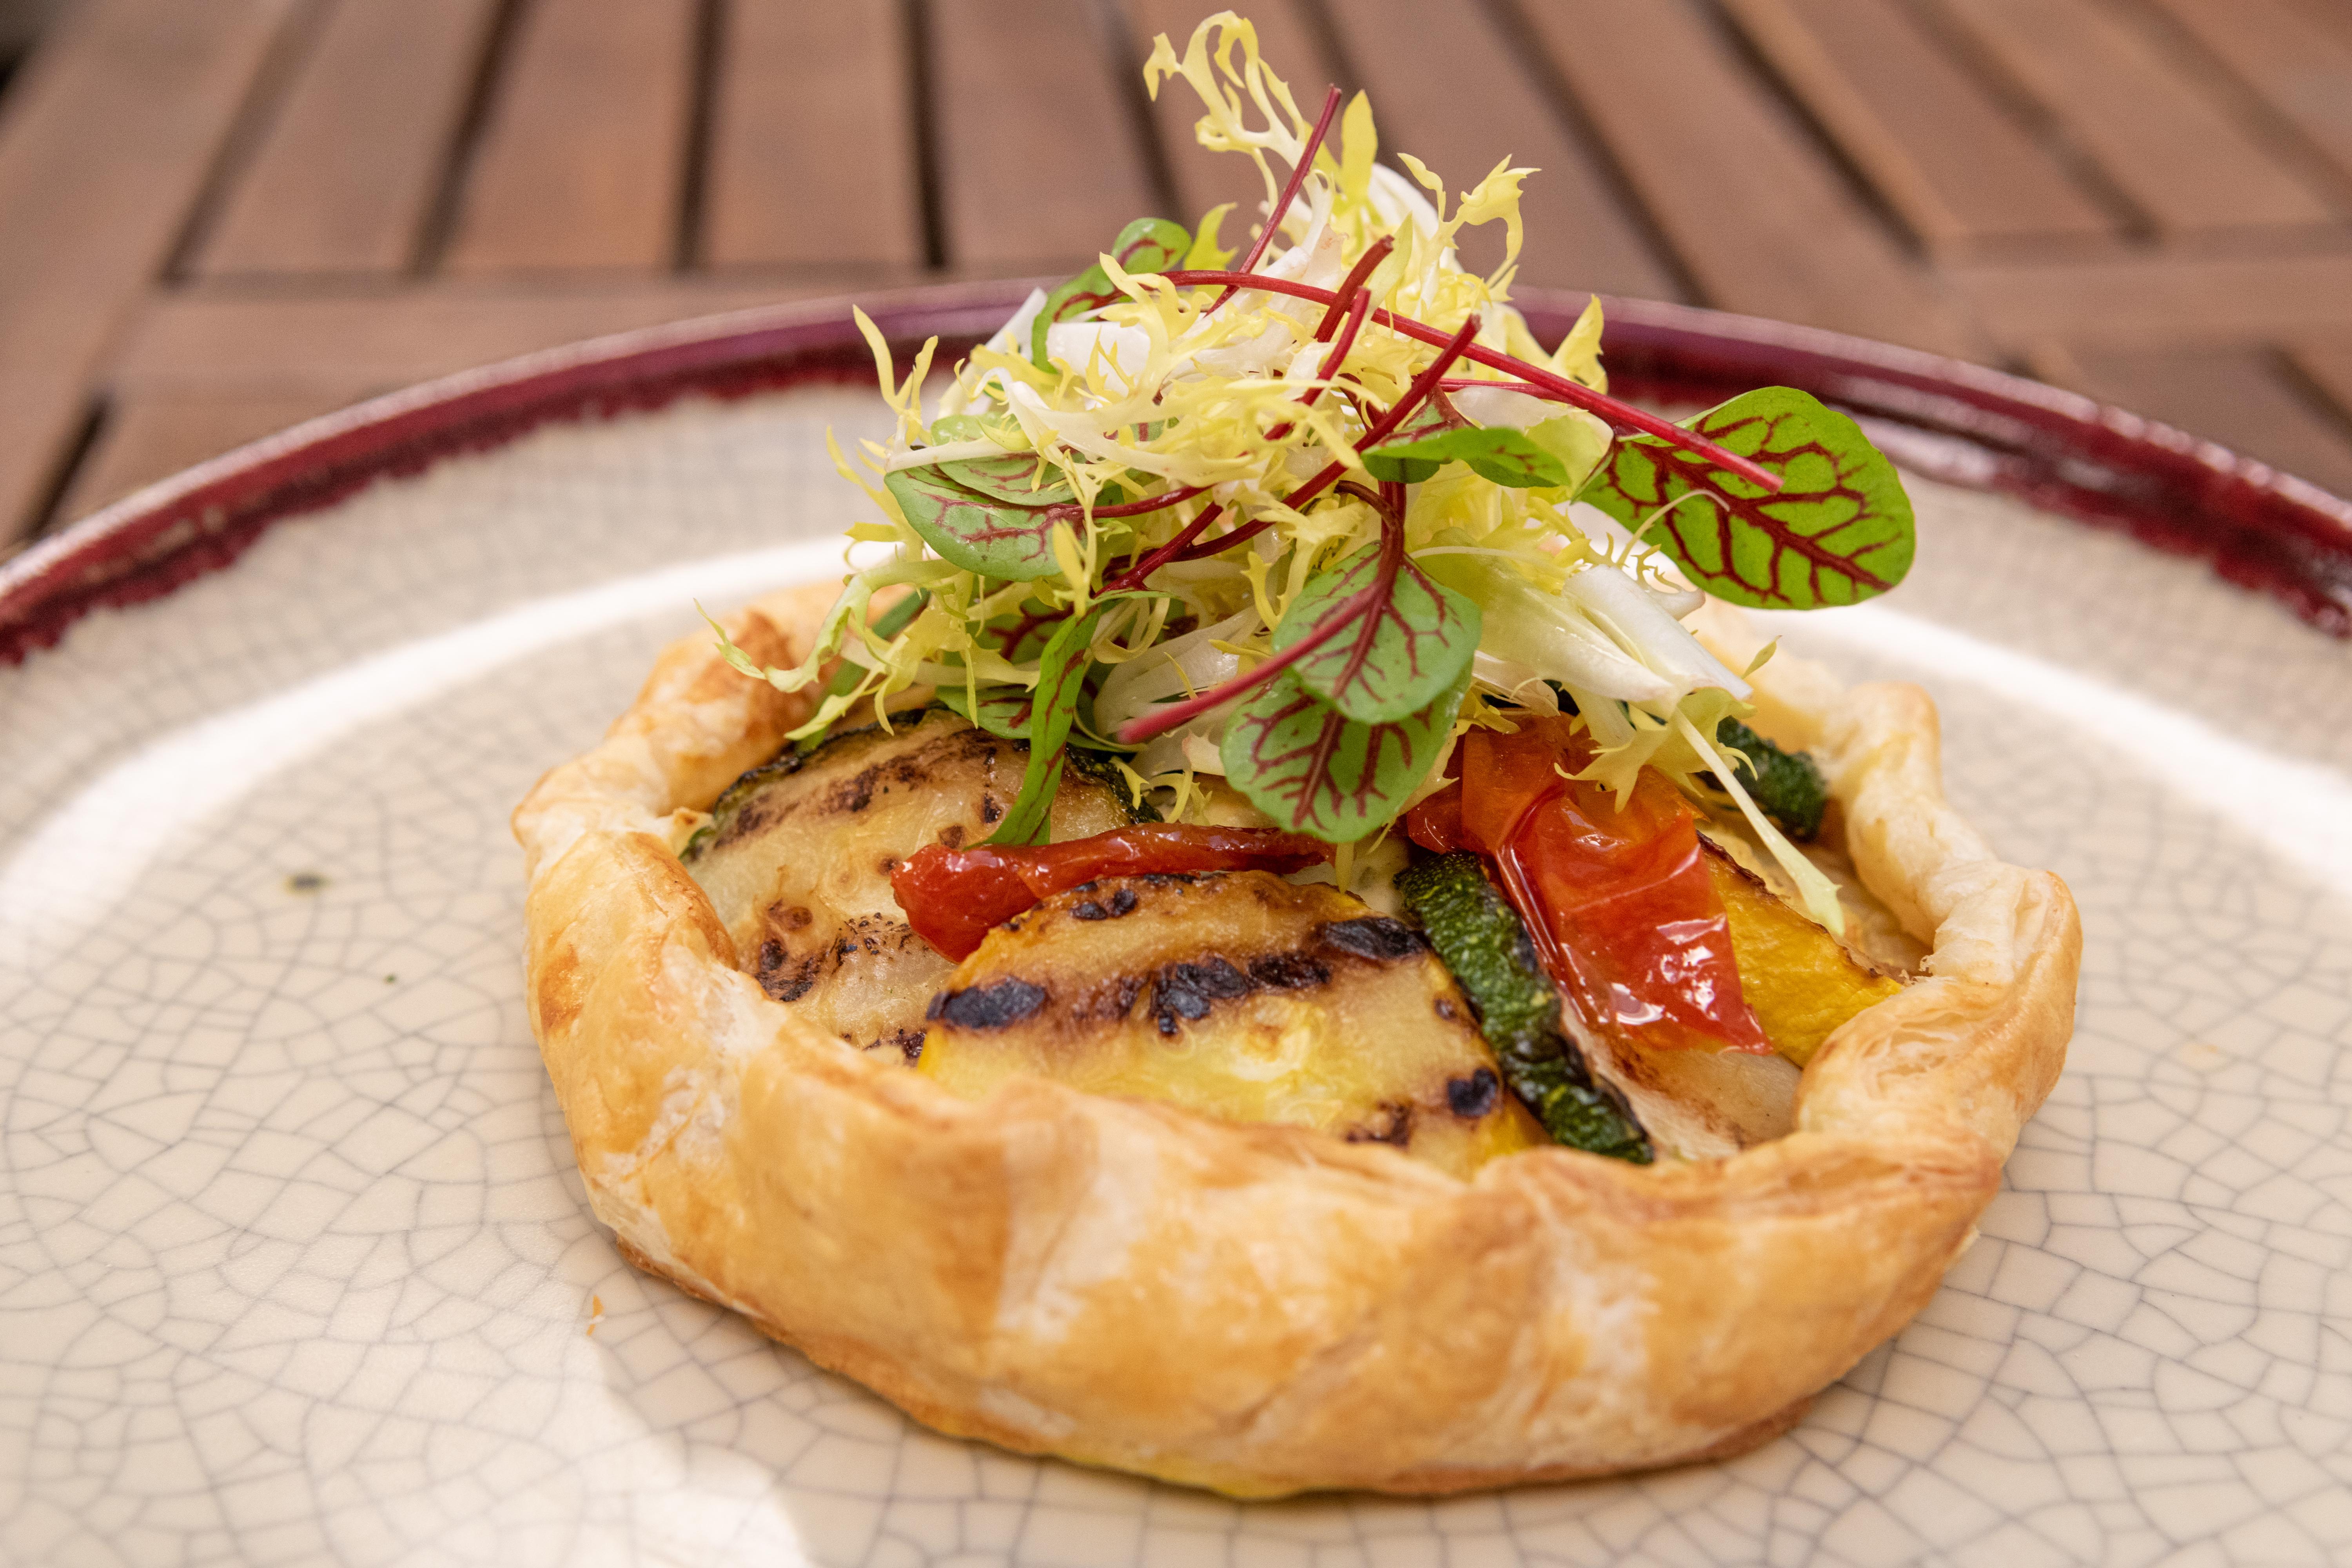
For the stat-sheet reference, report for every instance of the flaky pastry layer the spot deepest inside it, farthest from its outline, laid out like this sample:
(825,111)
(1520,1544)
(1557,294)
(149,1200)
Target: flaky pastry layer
(1266,1309)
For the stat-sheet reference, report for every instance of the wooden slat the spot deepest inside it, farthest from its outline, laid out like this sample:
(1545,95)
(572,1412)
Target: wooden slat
(1958,169)
(105,140)
(2243,398)
(813,138)
(584,154)
(2152,126)
(1037,159)
(343,179)
(1757,216)
(148,439)
(1202,178)
(349,345)
(1577,232)
(2157,299)
(2289,55)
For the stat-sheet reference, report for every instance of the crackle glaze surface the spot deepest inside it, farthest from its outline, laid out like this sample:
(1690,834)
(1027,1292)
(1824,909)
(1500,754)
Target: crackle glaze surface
(294,1265)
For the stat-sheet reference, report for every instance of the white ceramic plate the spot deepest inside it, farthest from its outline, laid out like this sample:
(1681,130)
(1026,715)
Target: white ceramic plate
(294,1264)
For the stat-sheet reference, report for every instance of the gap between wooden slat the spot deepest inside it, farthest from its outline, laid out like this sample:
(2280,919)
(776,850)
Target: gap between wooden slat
(1941,152)
(353,342)
(579,163)
(812,141)
(345,176)
(107,139)
(1421,78)
(1760,220)
(2298,69)
(2157,300)
(2153,127)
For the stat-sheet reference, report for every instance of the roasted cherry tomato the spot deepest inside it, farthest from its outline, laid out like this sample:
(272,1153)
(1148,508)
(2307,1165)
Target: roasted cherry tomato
(1618,901)
(952,897)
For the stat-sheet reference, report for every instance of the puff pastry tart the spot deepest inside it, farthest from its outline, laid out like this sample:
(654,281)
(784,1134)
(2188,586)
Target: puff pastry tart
(1263,1308)
(1282,933)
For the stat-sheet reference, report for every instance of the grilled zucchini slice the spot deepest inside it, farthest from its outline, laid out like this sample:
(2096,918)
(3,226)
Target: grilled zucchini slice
(798,855)
(1483,941)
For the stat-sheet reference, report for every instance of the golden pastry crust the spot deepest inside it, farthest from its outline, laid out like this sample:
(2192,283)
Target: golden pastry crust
(1266,1309)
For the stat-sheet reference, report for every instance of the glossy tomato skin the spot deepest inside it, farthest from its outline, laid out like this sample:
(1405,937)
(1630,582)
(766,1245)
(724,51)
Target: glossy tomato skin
(952,898)
(1618,900)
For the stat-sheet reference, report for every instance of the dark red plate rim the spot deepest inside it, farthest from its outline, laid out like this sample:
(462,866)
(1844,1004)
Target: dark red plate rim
(2261,528)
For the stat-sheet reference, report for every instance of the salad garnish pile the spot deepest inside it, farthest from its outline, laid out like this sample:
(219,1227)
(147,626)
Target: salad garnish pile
(1304,517)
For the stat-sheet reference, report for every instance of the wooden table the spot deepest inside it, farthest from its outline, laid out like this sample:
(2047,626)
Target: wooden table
(225,216)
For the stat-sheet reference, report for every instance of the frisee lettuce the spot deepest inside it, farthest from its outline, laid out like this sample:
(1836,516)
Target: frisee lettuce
(1267,439)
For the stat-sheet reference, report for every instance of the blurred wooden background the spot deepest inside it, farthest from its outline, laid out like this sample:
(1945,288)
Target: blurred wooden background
(220,216)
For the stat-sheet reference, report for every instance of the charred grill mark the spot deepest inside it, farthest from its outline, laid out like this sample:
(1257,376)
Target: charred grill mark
(1473,1097)
(1288,971)
(1393,1125)
(785,976)
(1121,902)
(952,835)
(988,810)
(1188,990)
(755,803)
(996,1006)
(1376,937)
(908,1043)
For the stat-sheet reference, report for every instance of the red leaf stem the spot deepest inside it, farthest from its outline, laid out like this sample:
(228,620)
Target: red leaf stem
(1134,576)
(1372,256)
(1163,719)
(1374,434)
(1298,173)
(1359,306)
(1133,508)
(1388,504)
(1623,414)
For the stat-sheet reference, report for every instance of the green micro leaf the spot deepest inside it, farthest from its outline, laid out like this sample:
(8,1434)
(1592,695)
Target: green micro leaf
(1398,657)
(1002,710)
(1147,245)
(976,531)
(1054,705)
(1315,771)
(1839,532)
(1504,456)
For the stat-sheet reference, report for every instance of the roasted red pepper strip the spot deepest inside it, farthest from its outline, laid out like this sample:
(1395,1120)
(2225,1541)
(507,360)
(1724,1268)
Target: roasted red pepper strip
(1620,902)
(953,896)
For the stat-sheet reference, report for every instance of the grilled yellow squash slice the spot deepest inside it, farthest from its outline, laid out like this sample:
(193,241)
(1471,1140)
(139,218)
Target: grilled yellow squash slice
(1237,994)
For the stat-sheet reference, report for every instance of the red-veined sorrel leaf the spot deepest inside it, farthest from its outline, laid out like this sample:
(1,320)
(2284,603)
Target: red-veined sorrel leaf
(1021,478)
(1053,704)
(1435,416)
(1400,653)
(976,532)
(1504,456)
(1017,479)
(1147,245)
(1838,532)
(1316,771)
